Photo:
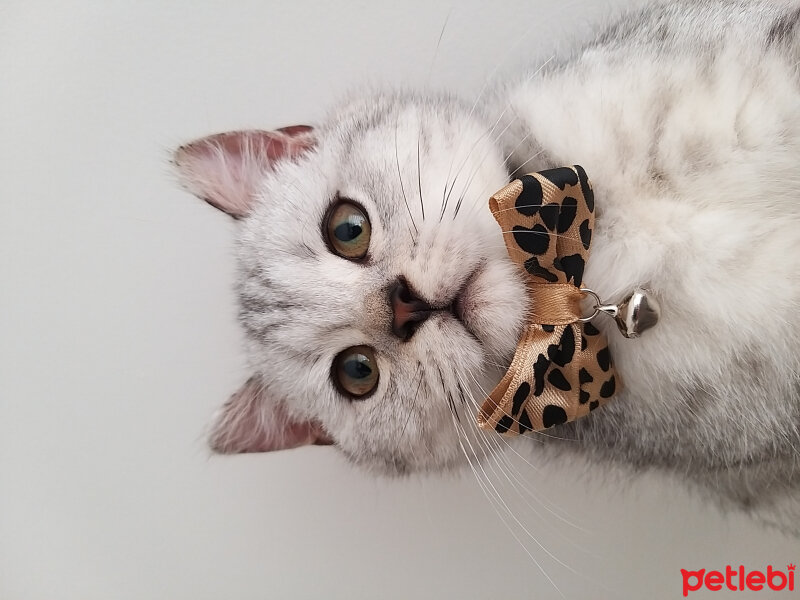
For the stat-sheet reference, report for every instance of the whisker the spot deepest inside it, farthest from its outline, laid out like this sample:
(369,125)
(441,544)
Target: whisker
(502,503)
(411,412)
(419,177)
(548,234)
(485,192)
(438,44)
(445,192)
(548,505)
(474,173)
(511,122)
(467,157)
(400,177)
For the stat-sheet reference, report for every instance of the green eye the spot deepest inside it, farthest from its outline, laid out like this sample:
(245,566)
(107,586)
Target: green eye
(355,371)
(348,230)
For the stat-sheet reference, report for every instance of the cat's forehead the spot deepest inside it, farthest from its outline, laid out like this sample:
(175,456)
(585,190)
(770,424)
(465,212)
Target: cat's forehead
(385,130)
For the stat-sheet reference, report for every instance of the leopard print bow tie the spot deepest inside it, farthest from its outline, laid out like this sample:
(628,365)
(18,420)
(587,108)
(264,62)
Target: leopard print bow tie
(562,367)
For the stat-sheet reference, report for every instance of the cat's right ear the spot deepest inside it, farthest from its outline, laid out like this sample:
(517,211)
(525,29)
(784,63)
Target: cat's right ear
(227,169)
(252,421)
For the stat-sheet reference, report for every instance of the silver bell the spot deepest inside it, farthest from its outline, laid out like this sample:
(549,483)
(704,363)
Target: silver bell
(636,314)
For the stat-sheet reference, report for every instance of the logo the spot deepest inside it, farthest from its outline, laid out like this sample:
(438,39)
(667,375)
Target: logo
(738,579)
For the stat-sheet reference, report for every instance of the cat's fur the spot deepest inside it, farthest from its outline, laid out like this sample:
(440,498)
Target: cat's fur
(687,119)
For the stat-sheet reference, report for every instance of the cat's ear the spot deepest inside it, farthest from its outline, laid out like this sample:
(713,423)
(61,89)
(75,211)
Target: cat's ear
(250,421)
(226,169)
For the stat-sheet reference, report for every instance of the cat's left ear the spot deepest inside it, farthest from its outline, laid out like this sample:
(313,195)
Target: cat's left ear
(252,421)
(227,169)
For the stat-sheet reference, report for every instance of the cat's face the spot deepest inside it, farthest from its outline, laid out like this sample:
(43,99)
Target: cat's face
(380,211)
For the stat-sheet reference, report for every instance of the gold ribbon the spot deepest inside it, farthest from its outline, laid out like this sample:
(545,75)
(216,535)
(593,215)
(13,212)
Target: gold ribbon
(562,367)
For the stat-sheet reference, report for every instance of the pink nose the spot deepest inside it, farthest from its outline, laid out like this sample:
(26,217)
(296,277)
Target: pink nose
(408,310)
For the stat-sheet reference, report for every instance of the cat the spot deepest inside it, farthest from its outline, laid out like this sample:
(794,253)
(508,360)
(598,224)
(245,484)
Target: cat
(380,305)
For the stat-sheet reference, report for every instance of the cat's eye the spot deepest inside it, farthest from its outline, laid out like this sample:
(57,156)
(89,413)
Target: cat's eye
(348,230)
(355,371)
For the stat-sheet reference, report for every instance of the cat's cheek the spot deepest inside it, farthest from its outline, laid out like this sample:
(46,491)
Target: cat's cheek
(497,303)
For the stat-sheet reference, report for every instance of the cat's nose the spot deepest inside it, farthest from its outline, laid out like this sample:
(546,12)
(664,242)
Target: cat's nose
(408,311)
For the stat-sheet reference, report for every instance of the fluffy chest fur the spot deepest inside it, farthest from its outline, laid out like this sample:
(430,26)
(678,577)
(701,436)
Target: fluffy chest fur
(691,134)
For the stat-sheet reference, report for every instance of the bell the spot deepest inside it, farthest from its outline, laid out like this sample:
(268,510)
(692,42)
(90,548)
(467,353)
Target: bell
(637,313)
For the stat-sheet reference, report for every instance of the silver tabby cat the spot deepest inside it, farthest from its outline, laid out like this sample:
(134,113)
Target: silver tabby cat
(380,305)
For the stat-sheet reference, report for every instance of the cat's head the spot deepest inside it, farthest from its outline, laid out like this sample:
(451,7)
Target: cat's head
(378,300)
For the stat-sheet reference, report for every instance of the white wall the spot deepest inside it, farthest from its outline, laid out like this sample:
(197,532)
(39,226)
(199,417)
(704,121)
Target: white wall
(118,335)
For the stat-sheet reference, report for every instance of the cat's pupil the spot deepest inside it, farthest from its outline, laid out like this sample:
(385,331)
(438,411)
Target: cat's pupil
(347,231)
(355,372)
(357,369)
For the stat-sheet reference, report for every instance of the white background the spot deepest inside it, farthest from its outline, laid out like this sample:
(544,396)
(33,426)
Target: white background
(118,335)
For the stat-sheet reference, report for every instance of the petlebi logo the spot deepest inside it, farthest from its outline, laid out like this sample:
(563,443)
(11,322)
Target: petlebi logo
(738,579)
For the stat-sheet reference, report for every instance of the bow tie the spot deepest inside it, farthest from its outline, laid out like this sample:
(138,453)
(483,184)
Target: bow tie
(562,366)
